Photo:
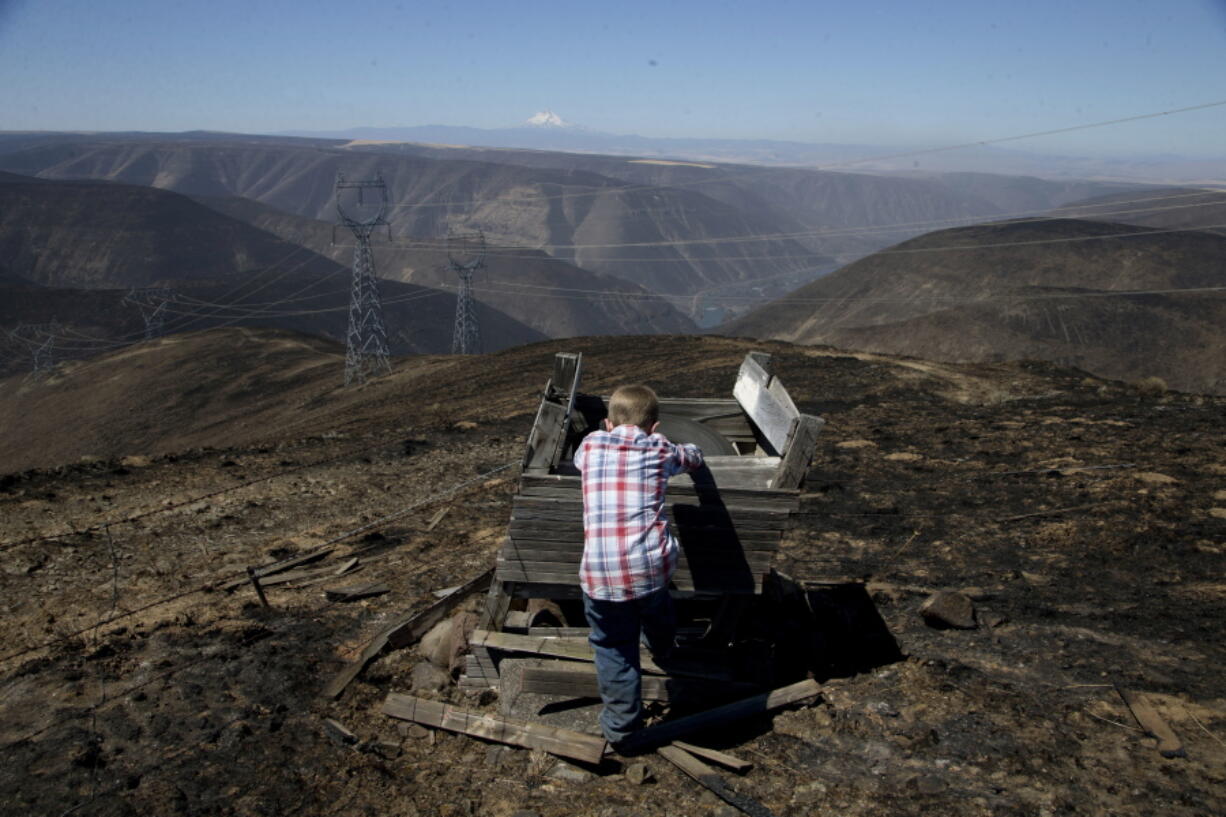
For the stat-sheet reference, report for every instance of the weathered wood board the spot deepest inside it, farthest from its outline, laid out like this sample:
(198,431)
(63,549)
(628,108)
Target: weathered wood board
(771,411)
(563,742)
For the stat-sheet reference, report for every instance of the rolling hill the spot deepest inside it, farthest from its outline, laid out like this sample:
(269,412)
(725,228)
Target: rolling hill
(72,251)
(1173,208)
(576,215)
(551,295)
(1053,290)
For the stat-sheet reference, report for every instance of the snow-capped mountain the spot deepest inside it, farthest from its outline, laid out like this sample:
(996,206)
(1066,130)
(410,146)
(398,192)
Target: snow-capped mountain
(547,119)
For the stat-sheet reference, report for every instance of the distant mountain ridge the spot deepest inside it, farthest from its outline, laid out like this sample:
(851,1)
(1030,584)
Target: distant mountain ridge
(826,155)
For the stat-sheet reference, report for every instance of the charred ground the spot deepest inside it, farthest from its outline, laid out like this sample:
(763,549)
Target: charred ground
(1085,517)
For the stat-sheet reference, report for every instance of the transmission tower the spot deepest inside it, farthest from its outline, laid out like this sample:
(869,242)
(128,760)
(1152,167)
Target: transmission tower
(366,340)
(39,340)
(466,255)
(151,301)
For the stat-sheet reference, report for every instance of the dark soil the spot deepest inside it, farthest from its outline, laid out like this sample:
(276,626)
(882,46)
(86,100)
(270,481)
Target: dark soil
(1087,520)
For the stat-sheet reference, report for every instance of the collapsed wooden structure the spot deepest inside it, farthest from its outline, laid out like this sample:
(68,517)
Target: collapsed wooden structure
(728,518)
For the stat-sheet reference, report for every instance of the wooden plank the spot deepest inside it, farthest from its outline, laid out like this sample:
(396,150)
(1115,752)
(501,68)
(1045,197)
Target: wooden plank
(563,742)
(546,436)
(355,592)
(799,453)
(707,777)
(277,567)
(669,731)
(564,486)
(568,373)
(572,679)
(402,632)
(752,561)
(742,581)
(303,575)
(569,554)
(715,756)
(438,517)
(770,415)
(682,510)
(1169,744)
(578,649)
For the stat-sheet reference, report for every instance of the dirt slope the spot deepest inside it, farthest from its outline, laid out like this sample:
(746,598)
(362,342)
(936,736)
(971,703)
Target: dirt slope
(1031,289)
(1085,518)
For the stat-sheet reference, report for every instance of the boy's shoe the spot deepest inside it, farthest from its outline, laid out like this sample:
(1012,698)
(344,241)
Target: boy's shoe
(628,746)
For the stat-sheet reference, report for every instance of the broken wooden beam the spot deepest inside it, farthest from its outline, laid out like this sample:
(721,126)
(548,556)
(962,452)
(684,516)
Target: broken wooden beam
(563,742)
(1169,744)
(437,517)
(277,567)
(314,573)
(709,778)
(669,731)
(355,592)
(715,756)
(403,632)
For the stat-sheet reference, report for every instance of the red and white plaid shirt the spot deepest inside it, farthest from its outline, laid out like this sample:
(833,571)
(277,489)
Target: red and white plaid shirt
(628,550)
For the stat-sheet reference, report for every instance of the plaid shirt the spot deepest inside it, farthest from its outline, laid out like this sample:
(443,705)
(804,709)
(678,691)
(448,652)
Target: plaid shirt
(628,550)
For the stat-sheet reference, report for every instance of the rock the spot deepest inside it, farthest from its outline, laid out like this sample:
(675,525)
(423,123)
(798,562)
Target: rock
(135,461)
(1154,478)
(445,643)
(569,773)
(949,608)
(414,731)
(1035,578)
(425,677)
(903,456)
(386,749)
(638,773)
(1219,495)
(464,425)
(856,444)
(436,643)
(1218,513)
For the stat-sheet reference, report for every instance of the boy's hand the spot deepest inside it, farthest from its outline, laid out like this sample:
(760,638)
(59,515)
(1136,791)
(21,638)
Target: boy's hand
(654,426)
(607,425)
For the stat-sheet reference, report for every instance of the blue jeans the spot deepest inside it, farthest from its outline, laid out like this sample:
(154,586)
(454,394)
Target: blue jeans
(616,630)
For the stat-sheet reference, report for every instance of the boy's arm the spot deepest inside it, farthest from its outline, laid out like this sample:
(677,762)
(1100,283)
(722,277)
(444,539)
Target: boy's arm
(688,457)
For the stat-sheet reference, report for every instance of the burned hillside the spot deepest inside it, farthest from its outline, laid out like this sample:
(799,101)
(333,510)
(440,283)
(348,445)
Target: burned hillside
(1085,519)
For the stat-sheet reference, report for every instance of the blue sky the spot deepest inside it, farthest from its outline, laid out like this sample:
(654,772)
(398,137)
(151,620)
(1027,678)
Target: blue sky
(899,74)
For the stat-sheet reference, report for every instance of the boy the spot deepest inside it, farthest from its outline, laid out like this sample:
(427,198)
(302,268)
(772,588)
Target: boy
(629,554)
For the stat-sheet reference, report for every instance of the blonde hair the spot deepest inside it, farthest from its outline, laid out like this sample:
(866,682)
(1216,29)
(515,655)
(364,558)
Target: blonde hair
(634,405)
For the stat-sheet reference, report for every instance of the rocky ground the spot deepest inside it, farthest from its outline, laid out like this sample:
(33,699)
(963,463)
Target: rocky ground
(1085,518)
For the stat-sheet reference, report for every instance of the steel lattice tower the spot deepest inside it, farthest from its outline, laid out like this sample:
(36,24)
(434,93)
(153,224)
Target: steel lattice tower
(366,341)
(466,255)
(39,340)
(152,303)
